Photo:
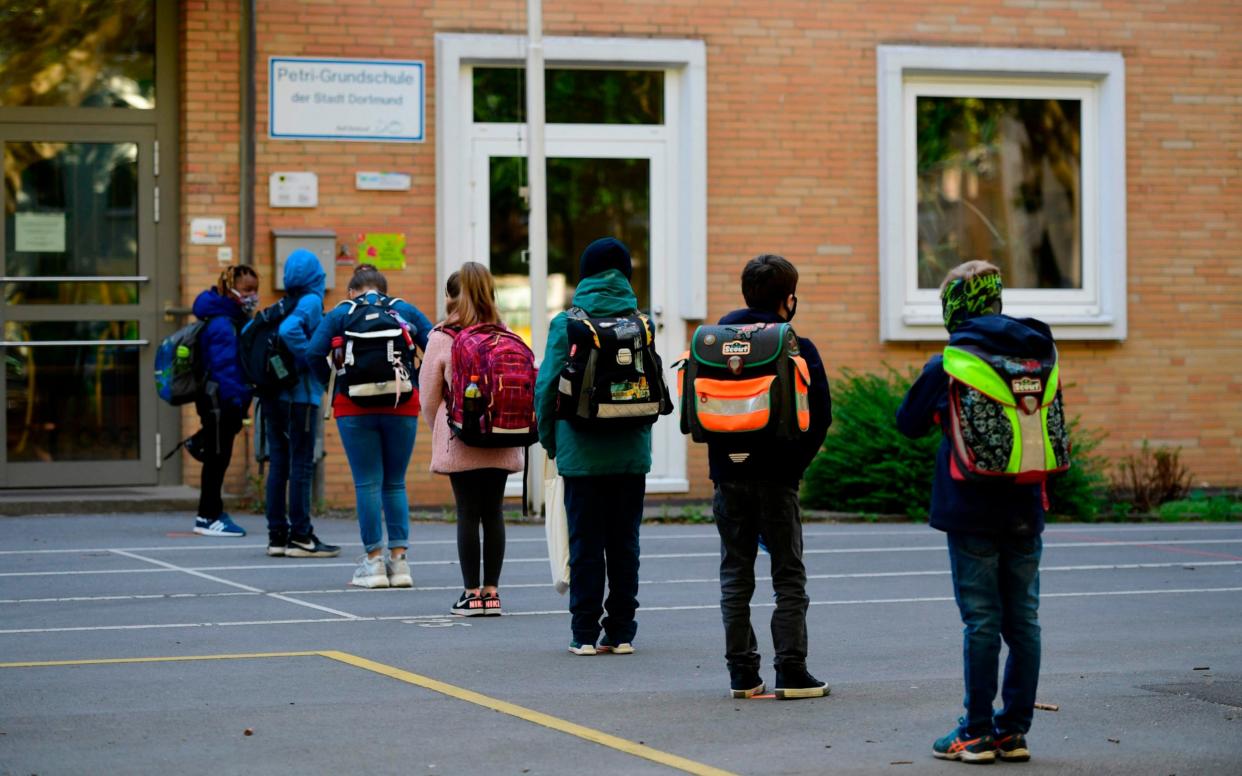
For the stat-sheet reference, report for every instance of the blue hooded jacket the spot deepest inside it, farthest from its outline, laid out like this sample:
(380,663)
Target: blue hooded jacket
(774,461)
(333,325)
(218,340)
(304,281)
(993,508)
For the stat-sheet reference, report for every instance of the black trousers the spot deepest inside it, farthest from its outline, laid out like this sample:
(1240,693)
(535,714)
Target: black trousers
(480,494)
(604,513)
(215,439)
(743,512)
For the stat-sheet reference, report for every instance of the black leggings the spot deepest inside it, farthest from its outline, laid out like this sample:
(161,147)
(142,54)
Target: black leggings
(479,494)
(215,440)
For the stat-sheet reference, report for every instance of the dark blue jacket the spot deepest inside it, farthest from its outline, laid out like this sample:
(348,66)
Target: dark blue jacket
(972,506)
(775,461)
(333,325)
(218,341)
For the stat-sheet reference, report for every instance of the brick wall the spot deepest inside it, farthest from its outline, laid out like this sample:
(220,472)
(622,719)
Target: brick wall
(792,169)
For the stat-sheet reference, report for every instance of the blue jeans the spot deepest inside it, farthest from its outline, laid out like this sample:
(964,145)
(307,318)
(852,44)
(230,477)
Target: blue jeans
(378,448)
(996,584)
(290,430)
(603,513)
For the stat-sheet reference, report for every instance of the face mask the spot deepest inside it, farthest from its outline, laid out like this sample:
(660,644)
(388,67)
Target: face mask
(248,302)
(793,309)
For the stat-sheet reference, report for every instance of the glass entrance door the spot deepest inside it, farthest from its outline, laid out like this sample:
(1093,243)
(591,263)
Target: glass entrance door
(595,188)
(78,308)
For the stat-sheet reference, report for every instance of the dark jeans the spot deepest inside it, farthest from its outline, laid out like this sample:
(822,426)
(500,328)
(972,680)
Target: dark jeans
(215,440)
(996,584)
(744,511)
(479,494)
(290,431)
(603,514)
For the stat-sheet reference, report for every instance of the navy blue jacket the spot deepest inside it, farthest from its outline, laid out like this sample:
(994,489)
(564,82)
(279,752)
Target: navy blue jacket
(218,340)
(775,461)
(993,508)
(333,325)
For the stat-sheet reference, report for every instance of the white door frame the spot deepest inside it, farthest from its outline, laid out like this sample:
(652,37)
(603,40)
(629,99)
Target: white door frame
(683,138)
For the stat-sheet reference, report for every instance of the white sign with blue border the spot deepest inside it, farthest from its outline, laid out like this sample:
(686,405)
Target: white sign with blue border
(345,99)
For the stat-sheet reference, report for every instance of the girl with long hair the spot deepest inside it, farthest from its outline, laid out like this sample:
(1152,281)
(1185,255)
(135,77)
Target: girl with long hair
(477,474)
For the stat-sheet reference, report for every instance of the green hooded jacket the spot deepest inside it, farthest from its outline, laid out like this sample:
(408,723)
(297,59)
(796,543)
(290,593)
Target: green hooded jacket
(578,453)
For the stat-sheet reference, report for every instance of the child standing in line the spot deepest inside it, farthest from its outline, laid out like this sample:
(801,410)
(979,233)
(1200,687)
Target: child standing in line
(605,471)
(478,474)
(225,399)
(756,500)
(378,437)
(993,531)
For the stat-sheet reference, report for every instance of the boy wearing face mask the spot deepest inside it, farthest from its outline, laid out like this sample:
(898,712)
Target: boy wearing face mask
(225,399)
(756,498)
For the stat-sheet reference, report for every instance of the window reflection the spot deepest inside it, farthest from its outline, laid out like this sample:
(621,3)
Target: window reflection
(572,96)
(1001,180)
(77,53)
(587,199)
(71,403)
(71,209)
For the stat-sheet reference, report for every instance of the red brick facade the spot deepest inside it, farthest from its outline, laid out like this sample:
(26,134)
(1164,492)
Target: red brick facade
(792,108)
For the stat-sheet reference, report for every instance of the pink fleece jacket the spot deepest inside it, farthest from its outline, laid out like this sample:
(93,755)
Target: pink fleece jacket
(448,454)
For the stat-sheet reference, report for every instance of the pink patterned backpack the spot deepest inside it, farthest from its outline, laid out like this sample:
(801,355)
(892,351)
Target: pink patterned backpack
(491,402)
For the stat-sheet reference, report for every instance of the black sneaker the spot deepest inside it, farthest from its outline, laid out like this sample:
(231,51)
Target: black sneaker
(469,605)
(1011,747)
(277,542)
(746,683)
(957,744)
(309,546)
(792,683)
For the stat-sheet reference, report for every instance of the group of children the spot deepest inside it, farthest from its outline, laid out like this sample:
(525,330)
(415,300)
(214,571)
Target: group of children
(993,526)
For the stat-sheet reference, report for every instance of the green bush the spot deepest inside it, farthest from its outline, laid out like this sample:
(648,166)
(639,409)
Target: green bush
(866,465)
(1200,506)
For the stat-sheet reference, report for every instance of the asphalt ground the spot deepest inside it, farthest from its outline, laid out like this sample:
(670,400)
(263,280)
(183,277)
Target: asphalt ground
(165,648)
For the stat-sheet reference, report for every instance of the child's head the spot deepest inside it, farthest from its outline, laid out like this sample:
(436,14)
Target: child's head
(240,283)
(604,254)
(367,278)
(471,296)
(769,283)
(968,291)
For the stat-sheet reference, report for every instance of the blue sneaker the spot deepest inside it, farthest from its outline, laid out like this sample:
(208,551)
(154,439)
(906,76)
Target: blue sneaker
(958,745)
(221,526)
(607,644)
(580,648)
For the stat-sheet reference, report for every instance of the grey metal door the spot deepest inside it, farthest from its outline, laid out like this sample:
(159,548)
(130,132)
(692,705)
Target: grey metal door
(78,308)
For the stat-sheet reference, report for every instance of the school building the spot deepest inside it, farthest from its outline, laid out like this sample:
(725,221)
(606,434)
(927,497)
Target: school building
(1091,148)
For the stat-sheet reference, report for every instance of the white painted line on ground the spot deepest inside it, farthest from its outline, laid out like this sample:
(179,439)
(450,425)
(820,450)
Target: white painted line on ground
(238,585)
(707,533)
(645,583)
(643,610)
(282,565)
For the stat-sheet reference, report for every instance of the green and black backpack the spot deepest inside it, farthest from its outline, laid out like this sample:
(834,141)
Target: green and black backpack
(1006,419)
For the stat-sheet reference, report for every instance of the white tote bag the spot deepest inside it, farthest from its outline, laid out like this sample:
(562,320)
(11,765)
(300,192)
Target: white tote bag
(556,525)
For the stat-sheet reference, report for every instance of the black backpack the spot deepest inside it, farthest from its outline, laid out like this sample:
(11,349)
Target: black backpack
(745,381)
(267,363)
(377,366)
(613,377)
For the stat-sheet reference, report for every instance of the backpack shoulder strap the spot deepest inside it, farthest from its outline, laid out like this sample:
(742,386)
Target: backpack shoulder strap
(577,313)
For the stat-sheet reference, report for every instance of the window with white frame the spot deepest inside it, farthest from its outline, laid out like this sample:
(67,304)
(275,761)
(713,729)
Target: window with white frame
(1012,156)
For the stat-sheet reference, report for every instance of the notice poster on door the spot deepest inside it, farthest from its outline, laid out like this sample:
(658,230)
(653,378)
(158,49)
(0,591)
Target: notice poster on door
(39,232)
(386,250)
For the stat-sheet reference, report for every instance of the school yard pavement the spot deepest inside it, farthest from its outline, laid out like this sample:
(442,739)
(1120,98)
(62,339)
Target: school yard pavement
(131,646)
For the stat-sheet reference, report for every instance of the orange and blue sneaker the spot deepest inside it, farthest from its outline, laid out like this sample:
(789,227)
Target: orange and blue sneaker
(957,745)
(1011,747)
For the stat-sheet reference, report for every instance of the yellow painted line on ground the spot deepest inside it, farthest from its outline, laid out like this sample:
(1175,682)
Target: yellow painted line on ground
(173,659)
(530,715)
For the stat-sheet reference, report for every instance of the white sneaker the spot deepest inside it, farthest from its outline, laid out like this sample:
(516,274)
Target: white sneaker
(370,573)
(398,572)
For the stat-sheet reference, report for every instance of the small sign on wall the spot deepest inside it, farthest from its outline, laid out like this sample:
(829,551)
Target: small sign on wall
(381,181)
(39,232)
(207,231)
(385,250)
(293,189)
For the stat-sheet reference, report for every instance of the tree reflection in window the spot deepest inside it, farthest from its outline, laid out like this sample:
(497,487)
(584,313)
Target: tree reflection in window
(1001,180)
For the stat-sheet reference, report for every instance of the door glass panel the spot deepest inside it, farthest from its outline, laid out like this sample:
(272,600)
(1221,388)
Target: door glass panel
(1001,180)
(587,199)
(572,96)
(71,402)
(71,209)
(77,53)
